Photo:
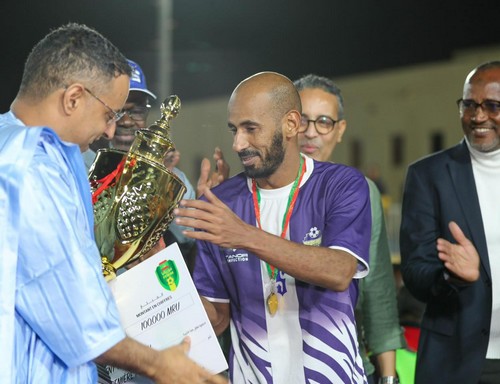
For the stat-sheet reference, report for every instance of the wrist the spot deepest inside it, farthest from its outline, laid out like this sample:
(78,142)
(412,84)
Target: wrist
(388,380)
(455,280)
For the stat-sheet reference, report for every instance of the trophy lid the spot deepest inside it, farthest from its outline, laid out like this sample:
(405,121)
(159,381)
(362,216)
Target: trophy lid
(169,109)
(154,142)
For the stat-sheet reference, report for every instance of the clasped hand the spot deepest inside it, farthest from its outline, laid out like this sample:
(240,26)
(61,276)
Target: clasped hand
(214,220)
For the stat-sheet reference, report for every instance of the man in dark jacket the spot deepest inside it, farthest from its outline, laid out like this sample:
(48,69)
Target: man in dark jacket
(450,210)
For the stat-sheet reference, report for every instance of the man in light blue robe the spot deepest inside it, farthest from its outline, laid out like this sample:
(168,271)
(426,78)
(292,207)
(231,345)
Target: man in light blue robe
(57,315)
(52,273)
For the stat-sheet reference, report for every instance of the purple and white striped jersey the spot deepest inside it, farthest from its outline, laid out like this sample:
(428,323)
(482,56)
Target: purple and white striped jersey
(312,338)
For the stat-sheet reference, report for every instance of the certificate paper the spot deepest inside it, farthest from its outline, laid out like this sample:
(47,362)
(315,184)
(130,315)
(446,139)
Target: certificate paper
(159,305)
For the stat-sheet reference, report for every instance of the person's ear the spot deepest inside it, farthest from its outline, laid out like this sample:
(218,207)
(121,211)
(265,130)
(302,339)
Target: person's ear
(292,121)
(72,98)
(341,126)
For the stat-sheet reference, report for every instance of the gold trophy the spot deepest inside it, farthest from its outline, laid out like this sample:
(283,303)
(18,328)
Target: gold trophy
(133,194)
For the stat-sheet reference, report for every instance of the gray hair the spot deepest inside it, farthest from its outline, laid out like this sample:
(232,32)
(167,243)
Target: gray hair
(73,52)
(323,83)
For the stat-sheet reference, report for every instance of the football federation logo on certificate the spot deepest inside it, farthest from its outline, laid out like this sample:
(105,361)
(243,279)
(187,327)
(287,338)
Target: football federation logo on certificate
(168,275)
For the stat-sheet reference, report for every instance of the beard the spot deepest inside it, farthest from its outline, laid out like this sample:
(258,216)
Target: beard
(270,163)
(482,142)
(490,146)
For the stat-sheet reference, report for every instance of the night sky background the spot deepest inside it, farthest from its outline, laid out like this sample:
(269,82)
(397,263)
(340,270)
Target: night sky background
(217,43)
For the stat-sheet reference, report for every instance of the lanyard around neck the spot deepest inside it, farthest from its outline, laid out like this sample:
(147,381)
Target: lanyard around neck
(292,198)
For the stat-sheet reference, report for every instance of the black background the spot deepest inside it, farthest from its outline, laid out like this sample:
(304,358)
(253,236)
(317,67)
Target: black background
(217,43)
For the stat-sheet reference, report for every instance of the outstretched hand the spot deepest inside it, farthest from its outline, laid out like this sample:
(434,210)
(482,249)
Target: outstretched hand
(210,179)
(461,259)
(179,369)
(218,224)
(168,366)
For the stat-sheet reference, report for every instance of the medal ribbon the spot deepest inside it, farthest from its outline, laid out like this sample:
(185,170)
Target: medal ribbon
(292,198)
(110,180)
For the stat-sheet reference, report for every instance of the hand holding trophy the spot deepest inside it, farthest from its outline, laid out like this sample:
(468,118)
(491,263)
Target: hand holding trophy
(134,194)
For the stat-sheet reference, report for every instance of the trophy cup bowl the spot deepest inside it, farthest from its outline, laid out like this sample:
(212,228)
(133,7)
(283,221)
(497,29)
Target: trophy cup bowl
(134,194)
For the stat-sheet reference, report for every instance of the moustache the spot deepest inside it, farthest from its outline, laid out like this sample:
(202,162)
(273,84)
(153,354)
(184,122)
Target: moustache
(247,153)
(125,130)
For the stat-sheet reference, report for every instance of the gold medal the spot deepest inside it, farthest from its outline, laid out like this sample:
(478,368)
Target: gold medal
(272,303)
(272,299)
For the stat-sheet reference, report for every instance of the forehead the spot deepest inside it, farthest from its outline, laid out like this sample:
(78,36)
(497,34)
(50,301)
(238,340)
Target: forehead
(117,91)
(316,101)
(137,98)
(249,106)
(485,84)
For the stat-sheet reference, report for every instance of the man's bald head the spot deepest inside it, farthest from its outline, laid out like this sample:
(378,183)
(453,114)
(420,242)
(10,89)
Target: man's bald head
(490,65)
(279,92)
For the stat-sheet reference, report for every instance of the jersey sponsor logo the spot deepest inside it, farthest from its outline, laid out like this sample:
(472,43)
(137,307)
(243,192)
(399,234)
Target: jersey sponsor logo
(234,255)
(313,237)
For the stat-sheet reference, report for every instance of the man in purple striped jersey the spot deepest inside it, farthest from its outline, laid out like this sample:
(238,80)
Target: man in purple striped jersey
(280,246)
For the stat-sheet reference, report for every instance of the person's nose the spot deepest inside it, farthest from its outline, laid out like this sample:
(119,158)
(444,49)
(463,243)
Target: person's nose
(109,132)
(310,131)
(479,114)
(125,121)
(239,142)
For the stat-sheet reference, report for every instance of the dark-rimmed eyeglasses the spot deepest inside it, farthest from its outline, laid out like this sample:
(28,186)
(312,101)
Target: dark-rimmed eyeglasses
(116,115)
(138,113)
(322,124)
(469,106)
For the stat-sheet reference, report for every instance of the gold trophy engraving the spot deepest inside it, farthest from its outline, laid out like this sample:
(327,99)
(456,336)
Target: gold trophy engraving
(134,194)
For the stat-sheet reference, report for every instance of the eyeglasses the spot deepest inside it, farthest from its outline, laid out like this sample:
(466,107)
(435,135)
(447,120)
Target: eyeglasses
(468,106)
(116,115)
(322,124)
(138,113)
